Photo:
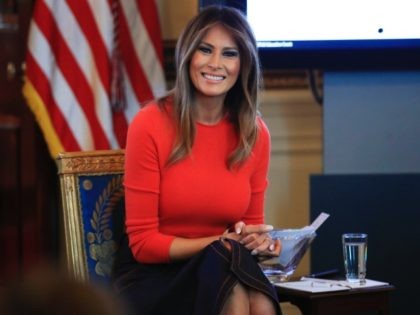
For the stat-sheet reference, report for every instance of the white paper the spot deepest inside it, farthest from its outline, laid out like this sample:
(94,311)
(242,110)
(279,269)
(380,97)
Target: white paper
(350,285)
(310,286)
(319,220)
(316,285)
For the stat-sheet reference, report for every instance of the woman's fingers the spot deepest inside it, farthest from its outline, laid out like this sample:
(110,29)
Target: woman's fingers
(258,228)
(262,246)
(256,238)
(256,241)
(251,240)
(238,227)
(276,248)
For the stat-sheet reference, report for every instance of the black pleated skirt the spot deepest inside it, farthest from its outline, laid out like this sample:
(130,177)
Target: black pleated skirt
(198,286)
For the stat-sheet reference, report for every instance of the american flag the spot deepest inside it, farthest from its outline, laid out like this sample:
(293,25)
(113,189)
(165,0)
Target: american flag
(90,65)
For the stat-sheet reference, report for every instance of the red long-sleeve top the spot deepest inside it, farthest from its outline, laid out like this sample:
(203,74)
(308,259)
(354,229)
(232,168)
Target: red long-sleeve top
(195,197)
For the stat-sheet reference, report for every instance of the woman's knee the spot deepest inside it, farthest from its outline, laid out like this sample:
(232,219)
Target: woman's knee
(237,302)
(260,304)
(243,300)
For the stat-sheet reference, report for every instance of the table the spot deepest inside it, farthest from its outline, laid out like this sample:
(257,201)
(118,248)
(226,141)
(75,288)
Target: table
(339,302)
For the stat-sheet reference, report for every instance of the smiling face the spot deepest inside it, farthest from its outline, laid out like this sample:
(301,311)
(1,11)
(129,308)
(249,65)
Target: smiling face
(215,65)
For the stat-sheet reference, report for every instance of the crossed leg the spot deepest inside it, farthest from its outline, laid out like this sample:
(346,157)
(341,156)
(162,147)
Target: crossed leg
(246,301)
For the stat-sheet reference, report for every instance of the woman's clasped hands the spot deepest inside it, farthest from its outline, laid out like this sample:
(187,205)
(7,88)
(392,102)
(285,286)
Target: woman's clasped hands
(254,237)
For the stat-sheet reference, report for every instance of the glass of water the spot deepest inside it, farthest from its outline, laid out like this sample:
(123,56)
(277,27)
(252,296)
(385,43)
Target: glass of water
(355,256)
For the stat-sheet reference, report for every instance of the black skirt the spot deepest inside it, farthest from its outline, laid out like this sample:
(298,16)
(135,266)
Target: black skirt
(198,286)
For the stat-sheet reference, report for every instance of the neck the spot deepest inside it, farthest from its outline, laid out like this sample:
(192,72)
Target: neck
(209,110)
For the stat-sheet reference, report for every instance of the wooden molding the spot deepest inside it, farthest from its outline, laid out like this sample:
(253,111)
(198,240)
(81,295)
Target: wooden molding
(106,161)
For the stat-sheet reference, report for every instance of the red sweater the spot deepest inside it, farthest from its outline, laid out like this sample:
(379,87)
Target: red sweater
(196,197)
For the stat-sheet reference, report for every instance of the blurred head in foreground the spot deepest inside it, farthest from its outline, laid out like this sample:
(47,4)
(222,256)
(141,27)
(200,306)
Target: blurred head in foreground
(50,293)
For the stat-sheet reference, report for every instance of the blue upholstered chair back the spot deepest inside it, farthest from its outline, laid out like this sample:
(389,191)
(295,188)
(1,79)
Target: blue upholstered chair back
(92,194)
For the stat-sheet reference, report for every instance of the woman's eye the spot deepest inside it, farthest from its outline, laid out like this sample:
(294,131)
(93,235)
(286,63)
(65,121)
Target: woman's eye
(204,49)
(231,53)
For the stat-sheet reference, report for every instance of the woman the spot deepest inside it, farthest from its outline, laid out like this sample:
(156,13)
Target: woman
(196,175)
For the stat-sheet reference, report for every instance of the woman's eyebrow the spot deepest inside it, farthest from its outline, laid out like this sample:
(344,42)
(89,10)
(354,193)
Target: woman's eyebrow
(224,48)
(205,43)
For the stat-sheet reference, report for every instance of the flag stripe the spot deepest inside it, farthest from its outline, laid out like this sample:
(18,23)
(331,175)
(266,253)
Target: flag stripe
(104,20)
(135,32)
(99,54)
(44,57)
(120,127)
(71,72)
(148,14)
(73,60)
(92,96)
(82,12)
(101,29)
(41,85)
(132,102)
(134,70)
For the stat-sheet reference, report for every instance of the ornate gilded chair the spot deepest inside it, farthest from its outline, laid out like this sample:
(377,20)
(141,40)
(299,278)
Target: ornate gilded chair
(92,193)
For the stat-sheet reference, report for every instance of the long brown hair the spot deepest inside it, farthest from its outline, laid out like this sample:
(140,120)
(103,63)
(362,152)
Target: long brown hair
(241,101)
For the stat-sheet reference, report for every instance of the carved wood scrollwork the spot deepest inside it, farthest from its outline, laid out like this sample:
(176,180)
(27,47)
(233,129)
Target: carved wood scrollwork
(86,162)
